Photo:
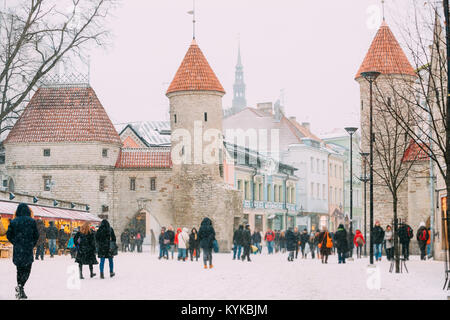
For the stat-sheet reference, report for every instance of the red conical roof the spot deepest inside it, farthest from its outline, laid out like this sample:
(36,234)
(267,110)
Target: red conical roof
(385,55)
(195,73)
(63,114)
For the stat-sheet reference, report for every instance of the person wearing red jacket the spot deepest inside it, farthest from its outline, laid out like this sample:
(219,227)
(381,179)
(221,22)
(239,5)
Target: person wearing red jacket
(269,238)
(359,242)
(175,242)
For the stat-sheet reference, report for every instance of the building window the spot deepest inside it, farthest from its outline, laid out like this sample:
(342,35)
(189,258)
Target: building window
(221,170)
(331,195)
(318,165)
(312,164)
(362,105)
(246,190)
(101,185)
(47,183)
(46,152)
(132,184)
(206,116)
(280,192)
(105,153)
(105,208)
(152,184)
(324,196)
(269,193)
(323,166)
(312,189)
(261,190)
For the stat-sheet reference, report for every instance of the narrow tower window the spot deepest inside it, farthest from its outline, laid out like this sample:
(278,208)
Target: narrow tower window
(206,116)
(175,118)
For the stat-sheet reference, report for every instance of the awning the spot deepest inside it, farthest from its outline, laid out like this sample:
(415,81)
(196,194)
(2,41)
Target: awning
(7,210)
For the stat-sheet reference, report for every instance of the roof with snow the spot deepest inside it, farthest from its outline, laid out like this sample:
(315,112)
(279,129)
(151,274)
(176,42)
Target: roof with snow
(154,133)
(195,73)
(158,158)
(61,114)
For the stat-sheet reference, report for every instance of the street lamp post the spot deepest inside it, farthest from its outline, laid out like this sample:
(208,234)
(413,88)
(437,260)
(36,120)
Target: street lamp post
(351,131)
(365,179)
(371,76)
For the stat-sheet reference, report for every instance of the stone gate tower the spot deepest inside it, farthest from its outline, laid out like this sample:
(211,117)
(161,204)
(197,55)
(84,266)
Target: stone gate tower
(197,150)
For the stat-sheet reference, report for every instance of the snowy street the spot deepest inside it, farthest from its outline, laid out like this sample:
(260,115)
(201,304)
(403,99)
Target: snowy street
(143,276)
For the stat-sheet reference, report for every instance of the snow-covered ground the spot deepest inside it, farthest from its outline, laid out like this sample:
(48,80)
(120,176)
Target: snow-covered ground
(143,276)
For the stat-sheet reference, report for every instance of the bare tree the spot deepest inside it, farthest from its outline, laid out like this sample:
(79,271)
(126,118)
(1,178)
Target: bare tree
(37,34)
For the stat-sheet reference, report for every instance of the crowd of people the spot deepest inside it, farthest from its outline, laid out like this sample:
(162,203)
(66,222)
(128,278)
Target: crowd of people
(30,237)
(131,240)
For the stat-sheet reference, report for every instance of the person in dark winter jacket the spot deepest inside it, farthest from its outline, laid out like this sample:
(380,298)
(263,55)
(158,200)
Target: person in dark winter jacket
(277,241)
(40,245)
(304,241)
(341,243)
(237,242)
(323,239)
(52,235)
(207,235)
(350,236)
(422,239)
(256,240)
(62,239)
(23,235)
(85,242)
(162,245)
(405,234)
(125,241)
(291,243)
(194,245)
(169,238)
(282,242)
(359,242)
(106,241)
(246,242)
(377,239)
(297,245)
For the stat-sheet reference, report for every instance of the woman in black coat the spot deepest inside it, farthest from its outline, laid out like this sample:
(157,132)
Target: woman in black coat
(341,243)
(41,241)
(85,243)
(194,244)
(207,235)
(23,234)
(291,243)
(107,247)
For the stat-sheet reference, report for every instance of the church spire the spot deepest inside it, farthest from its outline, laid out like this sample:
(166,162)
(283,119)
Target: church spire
(239,101)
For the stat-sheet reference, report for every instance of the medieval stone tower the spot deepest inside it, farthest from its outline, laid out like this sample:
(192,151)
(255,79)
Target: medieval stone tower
(396,79)
(197,151)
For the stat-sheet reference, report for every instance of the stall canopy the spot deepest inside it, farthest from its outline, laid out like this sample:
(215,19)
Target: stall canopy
(7,210)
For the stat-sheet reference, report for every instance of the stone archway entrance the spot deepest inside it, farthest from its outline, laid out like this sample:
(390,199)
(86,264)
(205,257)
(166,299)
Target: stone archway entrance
(148,225)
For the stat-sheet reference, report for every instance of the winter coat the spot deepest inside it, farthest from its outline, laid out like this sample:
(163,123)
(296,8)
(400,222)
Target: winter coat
(304,239)
(176,236)
(322,240)
(256,237)
(269,236)
(246,238)
(23,234)
(62,237)
(161,239)
(52,232)
(2,228)
(389,238)
(237,236)
(377,235)
(206,234)
(359,235)
(419,233)
(291,240)
(85,244)
(340,239)
(42,232)
(169,235)
(125,237)
(194,241)
(104,236)
(403,233)
(183,239)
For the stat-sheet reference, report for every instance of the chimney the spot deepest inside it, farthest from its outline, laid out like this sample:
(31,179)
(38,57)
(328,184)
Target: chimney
(265,107)
(307,125)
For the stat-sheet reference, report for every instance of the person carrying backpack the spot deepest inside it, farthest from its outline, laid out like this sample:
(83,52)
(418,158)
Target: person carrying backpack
(359,242)
(422,238)
(405,234)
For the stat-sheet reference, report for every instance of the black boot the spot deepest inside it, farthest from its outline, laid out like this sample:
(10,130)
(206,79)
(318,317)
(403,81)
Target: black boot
(102,275)
(81,271)
(91,269)
(112,274)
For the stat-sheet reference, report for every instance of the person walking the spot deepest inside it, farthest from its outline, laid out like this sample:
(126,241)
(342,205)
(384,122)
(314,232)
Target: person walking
(389,242)
(422,239)
(107,247)
(304,241)
(162,244)
(277,241)
(269,237)
(132,240)
(139,241)
(341,243)
(176,243)
(256,240)
(246,242)
(183,243)
(40,245)
(325,244)
(71,246)
(207,236)
(378,238)
(169,237)
(291,243)
(52,235)
(350,237)
(283,242)
(359,242)
(312,244)
(62,239)
(194,245)
(237,242)
(429,256)
(85,243)
(297,244)
(125,241)
(316,243)
(23,235)
(405,234)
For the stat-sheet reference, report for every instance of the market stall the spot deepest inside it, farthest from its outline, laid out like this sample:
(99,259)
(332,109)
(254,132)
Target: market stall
(69,219)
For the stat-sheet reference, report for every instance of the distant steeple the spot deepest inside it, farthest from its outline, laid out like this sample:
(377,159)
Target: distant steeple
(239,101)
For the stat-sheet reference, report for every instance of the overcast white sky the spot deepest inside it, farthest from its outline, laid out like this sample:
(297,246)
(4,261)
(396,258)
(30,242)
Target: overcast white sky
(312,49)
